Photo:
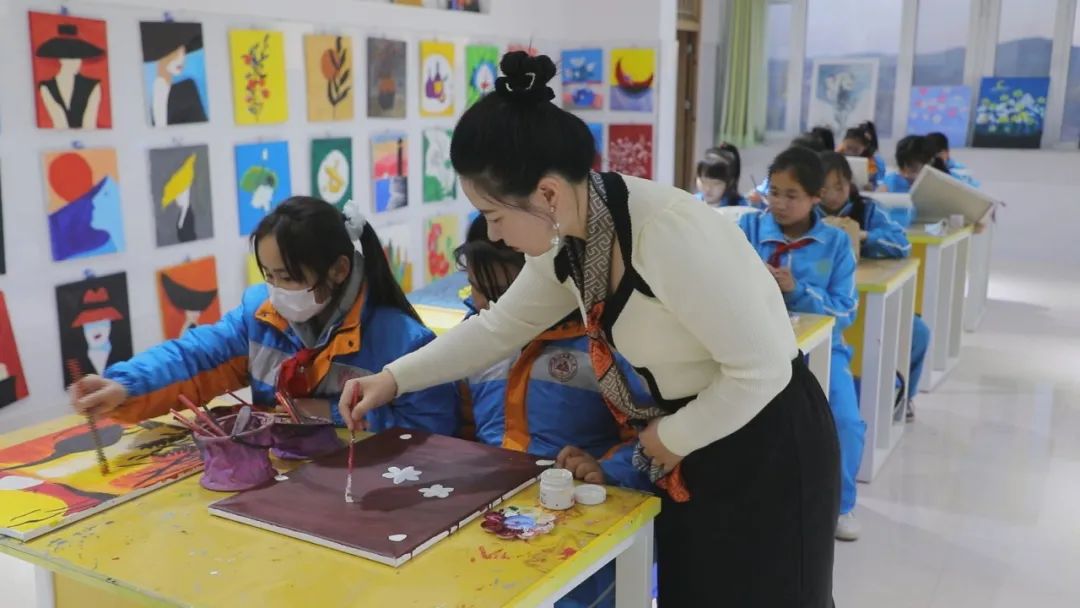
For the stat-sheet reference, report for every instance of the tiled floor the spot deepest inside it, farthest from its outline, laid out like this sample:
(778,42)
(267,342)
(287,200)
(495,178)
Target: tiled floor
(980,504)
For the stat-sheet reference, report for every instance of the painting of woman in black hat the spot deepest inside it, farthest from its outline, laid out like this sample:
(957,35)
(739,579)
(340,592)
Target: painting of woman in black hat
(174,72)
(70,72)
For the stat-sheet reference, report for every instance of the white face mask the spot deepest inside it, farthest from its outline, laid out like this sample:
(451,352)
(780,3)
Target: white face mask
(296,306)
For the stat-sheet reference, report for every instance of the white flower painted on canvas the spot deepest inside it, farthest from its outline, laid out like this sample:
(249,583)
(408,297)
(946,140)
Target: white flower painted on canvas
(436,491)
(402,475)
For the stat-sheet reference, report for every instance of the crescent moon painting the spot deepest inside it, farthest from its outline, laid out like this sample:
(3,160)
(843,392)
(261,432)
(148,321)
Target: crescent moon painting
(633,72)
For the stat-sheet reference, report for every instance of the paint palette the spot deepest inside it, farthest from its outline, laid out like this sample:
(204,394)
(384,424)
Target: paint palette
(411,489)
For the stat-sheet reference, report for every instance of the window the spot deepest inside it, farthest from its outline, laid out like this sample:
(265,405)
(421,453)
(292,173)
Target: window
(1025,38)
(777,56)
(940,42)
(1070,130)
(856,29)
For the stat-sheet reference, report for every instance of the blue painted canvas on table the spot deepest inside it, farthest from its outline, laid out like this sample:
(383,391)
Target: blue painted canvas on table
(1011,113)
(262,181)
(583,79)
(941,109)
(174,72)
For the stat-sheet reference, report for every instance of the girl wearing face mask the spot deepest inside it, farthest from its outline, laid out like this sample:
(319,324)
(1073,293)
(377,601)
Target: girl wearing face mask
(327,313)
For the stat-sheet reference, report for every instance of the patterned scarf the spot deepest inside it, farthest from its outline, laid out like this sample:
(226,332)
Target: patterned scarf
(590,264)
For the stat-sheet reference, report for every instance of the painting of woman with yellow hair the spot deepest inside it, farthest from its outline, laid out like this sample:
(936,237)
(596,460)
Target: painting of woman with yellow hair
(180,185)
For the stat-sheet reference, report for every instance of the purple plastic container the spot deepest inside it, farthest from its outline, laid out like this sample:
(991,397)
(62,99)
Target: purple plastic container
(315,438)
(231,464)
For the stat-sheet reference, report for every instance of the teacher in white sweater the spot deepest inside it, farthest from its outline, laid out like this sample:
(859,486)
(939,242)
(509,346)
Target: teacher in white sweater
(739,438)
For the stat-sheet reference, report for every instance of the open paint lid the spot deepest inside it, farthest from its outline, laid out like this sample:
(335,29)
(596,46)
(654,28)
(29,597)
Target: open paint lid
(590,494)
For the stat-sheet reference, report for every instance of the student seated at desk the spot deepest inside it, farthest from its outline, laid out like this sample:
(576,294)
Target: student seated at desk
(327,313)
(718,177)
(912,154)
(862,141)
(814,266)
(818,139)
(940,143)
(546,400)
(881,238)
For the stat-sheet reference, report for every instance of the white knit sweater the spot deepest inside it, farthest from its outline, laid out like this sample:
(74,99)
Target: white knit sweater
(717,330)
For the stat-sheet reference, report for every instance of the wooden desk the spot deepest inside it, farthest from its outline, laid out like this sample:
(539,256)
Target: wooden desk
(164,548)
(814,336)
(941,286)
(881,338)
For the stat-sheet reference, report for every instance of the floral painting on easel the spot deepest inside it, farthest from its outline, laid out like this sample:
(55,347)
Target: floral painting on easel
(843,93)
(1010,113)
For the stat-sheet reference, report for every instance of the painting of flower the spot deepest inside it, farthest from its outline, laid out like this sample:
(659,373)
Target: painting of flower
(1010,112)
(258,74)
(843,93)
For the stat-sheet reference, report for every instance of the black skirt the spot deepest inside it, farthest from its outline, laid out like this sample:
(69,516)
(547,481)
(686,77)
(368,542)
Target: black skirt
(758,530)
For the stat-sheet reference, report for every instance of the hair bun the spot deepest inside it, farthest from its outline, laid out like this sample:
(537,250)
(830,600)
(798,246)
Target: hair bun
(525,78)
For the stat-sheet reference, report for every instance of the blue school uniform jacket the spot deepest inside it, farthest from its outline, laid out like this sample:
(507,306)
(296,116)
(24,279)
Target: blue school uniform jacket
(960,172)
(248,346)
(547,398)
(894,182)
(879,170)
(885,238)
(824,270)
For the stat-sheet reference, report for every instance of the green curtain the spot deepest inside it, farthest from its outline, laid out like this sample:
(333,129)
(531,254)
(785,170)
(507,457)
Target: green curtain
(742,107)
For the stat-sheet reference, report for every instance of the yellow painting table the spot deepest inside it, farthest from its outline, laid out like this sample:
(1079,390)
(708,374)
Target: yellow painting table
(165,549)
(942,282)
(814,336)
(881,339)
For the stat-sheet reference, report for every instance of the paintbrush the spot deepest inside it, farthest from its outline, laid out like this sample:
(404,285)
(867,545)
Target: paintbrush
(75,370)
(286,403)
(206,420)
(191,426)
(238,399)
(348,480)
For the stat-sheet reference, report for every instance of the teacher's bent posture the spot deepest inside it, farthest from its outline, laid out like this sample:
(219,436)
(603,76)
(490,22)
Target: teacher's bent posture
(738,438)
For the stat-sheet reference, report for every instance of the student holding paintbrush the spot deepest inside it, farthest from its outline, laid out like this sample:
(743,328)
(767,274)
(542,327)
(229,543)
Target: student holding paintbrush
(327,313)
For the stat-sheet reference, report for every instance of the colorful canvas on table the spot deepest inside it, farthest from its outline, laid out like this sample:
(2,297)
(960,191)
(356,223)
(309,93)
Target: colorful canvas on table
(386,78)
(180,194)
(943,109)
(632,80)
(597,130)
(1011,113)
(583,79)
(188,296)
(95,325)
(442,236)
(71,72)
(390,171)
(481,69)
(630,150)
(436,78)
(12,380)
(174,72)
(332,170)
(440,181)
(330,85)
(397,241)
(82,194)
(52,481)
(252,271)
(262,181)
(411,489)
(260,95)
(843,93)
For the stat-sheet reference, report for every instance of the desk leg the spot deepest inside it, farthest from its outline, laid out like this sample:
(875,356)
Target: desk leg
(43,585)
(943,312)
(820,362)
(633,571)
(956,324)
(931,293)
(874,374)
(978,278)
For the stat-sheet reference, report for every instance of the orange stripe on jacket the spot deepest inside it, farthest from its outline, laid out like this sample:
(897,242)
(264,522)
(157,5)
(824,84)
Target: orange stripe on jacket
(201,388)
(516,432)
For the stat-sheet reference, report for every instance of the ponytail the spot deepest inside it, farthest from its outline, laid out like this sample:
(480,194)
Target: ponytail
(383,288)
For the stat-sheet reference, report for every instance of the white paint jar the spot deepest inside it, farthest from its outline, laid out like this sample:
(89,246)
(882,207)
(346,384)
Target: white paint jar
(557,489)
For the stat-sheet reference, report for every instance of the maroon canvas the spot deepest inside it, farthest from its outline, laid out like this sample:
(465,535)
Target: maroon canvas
(388,522)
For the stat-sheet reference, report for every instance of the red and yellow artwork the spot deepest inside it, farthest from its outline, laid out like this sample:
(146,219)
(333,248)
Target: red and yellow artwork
(71,72)
(12,381)
(188,295)
(54,480)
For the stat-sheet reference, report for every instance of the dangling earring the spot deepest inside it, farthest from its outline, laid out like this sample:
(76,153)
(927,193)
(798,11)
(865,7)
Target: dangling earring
(556,240)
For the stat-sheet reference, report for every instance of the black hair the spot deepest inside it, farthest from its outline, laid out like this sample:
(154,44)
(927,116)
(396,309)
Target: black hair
(723,163)
(827,137)
(917,149)
(514,136)
(866,134)
(485,257)
(939,141)
(811,141)
(311,233)
(805,164)
(834,161)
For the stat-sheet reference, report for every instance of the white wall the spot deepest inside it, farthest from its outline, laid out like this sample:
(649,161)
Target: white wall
(712,39)
(32,276)
(1041,189)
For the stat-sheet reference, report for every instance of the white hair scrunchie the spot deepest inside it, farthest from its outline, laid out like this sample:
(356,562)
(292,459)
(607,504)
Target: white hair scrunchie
(354,219)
